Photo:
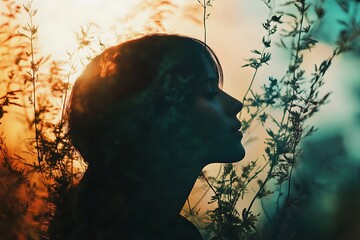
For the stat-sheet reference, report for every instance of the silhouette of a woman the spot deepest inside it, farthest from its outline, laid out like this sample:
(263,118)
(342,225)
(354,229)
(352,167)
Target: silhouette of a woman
(147,115)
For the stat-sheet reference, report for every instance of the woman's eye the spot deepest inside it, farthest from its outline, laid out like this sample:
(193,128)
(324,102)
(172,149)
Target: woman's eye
(212,90)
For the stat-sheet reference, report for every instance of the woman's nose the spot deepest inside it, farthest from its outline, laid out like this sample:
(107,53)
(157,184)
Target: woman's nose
(234,106)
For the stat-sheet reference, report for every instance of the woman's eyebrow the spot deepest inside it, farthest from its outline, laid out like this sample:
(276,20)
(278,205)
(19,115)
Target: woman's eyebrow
(211,79)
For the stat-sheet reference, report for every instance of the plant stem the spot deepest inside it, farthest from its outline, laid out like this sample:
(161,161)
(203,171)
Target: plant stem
(204,19)
(68,77)
(212,188)
(256,70)
(237,196)
(292,102)
(257,114)
(251,83)
(207,190)
(256,195)
(190,209)
(33,78)
(296,140)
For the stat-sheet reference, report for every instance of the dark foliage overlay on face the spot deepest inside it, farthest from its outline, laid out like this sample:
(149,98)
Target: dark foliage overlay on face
(136,116)
(129,88)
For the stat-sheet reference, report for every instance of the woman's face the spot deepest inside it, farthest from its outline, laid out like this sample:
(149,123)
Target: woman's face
(216,122)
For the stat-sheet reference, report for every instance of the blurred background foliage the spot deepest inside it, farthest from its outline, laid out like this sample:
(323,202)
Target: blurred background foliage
(38,164)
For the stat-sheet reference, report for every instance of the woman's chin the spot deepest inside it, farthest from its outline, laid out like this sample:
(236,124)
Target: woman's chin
(231,156)
(236,158)
(237,154)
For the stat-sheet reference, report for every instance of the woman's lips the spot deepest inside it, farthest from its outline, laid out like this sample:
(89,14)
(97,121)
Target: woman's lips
(239,134)
(236,128)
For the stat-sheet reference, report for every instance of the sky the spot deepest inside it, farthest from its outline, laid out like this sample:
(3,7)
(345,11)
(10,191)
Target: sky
(233,29)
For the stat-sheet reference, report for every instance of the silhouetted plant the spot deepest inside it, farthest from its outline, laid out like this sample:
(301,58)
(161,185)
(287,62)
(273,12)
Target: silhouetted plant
(36,93)
(18,190)
(297,96)
(49,165)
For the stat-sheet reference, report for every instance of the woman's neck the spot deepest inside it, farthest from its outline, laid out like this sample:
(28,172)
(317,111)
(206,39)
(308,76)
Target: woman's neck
(175,189)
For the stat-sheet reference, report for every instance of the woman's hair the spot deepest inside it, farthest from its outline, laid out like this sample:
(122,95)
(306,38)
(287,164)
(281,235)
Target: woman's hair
(122,97)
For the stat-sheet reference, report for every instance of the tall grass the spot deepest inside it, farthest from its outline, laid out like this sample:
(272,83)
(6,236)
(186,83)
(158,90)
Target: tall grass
(35,88)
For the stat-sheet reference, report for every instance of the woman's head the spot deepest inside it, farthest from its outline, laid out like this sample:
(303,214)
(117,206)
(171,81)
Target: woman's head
(152,98)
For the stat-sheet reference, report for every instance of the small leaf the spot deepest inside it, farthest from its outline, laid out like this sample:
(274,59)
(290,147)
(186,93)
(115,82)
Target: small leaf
(283,43)
(277,18)
(344,23)
(34,29)
(320,11)
(256,51)
(25,28)
(263,118)
(291,15)
(26,8)
(267,44)
(265,58)
(306,29)
(270,132)
(344,4)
